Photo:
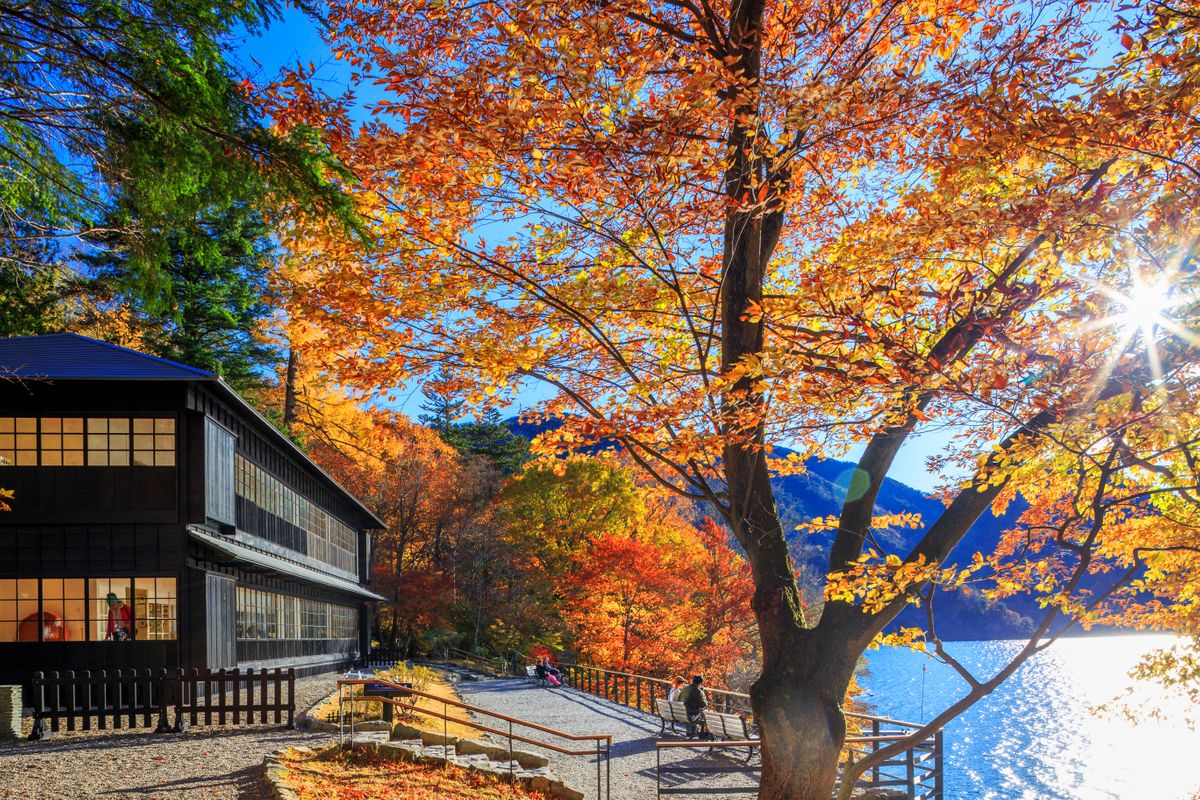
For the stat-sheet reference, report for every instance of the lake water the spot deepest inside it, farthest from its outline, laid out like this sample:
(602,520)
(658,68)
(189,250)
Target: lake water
(1034,738)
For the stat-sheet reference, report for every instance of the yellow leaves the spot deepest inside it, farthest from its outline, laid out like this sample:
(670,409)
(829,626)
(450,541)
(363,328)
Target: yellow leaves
(873,585)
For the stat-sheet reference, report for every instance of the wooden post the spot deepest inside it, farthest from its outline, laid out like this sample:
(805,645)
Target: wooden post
(262,693)
(102,711)
(87,705)
(39,707)
(291,706)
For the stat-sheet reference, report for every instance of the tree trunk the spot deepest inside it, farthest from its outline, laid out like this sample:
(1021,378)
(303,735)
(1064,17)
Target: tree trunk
(797,703)
(289,391)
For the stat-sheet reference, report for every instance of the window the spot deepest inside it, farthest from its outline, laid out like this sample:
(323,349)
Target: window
(79,609)
(18,441)
(112,608)
(62,441)
(64,610)
(327,539)
(94,441)
(19,610)
(154,608)
(267,615)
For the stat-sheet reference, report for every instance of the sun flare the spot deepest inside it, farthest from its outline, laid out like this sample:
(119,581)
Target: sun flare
(1146,307)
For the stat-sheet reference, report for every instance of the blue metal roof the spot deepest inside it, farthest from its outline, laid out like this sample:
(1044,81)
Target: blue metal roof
(68,355)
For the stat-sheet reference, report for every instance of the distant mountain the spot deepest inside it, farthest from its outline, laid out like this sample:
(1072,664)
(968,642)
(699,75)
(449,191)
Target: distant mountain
(819,492)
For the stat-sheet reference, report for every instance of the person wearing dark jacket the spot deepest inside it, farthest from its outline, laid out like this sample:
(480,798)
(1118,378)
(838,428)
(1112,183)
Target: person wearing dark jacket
(695,701)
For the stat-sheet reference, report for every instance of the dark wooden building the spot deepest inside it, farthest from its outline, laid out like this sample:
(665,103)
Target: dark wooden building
(157,520)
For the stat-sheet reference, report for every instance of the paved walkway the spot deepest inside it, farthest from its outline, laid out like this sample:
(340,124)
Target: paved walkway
(634,735)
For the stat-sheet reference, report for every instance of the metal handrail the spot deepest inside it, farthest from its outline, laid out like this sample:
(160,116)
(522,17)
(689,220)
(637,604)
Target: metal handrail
(607,683)
(602,753)
(727,692)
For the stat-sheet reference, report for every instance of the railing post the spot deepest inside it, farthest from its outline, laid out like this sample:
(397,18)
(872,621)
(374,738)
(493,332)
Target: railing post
(937,765)
(639,693)
(874,747)
(910,767)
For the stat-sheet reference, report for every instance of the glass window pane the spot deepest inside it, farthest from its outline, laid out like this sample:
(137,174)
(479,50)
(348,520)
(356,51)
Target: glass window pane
(97,425)
(164,441)
(72,458)
(164,426)
(52,459)
(26,424)
(72,425)
(118,441)
(143,425)
(52,588)
(26,441)
(51,424)
(8,589)
(142,441)
(6,424)
(72,441)
(26,458)
(165,458)
(97,458)
(143,458)
(111,609)
(8,441)
(118,459)
(118,425)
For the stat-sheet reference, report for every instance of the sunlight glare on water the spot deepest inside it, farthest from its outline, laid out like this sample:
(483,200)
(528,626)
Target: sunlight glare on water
(1035,738)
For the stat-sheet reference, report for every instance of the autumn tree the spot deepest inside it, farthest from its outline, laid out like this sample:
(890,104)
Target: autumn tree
(711,228)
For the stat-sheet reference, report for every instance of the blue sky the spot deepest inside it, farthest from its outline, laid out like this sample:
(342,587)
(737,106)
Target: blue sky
(295,39)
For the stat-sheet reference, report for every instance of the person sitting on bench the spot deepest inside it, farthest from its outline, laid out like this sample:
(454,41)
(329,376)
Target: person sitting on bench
(695,701)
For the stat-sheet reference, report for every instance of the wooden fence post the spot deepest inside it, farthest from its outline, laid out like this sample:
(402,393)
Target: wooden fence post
(39,707)
(291,694)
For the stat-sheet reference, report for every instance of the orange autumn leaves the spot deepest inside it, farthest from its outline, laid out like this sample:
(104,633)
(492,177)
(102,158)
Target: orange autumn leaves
(364,775)
(664,604)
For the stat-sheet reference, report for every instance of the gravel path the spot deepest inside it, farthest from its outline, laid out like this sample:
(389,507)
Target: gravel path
(634,735)
(215,764)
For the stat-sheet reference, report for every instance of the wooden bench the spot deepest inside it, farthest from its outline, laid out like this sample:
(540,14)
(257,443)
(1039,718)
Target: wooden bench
(531,673)
(728,728)
(670,712)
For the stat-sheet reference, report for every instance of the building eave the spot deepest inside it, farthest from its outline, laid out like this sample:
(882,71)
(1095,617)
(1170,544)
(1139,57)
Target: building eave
(292,569)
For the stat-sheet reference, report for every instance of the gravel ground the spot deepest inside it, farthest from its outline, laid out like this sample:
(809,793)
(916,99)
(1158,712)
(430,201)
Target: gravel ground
(634,736)
(215,764)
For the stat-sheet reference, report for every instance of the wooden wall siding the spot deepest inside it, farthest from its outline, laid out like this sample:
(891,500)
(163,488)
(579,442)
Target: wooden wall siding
(90,398)
(293,470)
(257,521)
(219,449)
(92,494)
(19,660)
(220,601)
(91,551)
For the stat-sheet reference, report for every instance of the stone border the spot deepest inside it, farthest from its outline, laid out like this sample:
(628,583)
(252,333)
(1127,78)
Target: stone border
(528,769)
